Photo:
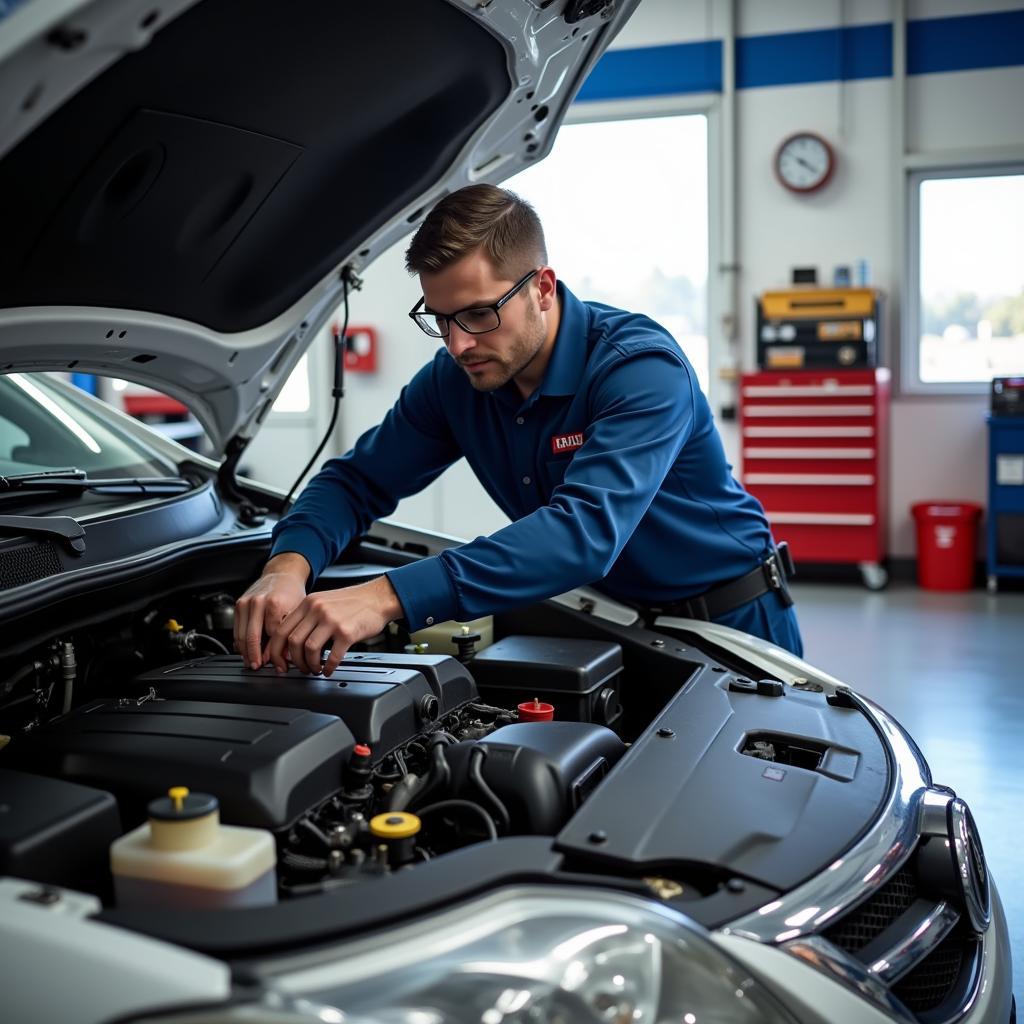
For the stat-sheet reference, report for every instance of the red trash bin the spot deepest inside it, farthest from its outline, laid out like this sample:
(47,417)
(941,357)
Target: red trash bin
(947,542)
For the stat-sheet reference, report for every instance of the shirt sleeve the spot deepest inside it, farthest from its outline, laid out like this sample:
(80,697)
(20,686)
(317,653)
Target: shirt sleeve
(642,413)
(410,448)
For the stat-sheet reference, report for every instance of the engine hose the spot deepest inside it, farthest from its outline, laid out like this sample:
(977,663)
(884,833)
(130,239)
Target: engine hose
(445,805)
(440,764)
(23,673)
(489,709)
(212,641)
(68,671)
(300,862)
(403,793)
(476,757)
(438,777)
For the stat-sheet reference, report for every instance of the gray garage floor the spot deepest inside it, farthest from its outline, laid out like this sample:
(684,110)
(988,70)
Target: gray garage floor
(950,667)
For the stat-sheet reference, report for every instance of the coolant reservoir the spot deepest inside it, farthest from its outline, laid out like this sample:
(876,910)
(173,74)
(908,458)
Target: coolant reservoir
(184,857)
(439,636)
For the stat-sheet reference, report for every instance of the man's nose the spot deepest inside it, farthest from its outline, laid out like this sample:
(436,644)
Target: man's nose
(458,340)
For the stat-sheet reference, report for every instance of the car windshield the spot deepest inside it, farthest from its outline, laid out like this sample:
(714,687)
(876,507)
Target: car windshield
(45,426)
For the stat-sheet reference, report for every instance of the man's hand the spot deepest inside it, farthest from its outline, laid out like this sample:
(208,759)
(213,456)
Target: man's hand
(280,588)
(335,619)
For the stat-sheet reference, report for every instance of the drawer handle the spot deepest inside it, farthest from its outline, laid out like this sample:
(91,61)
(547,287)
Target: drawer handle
(808,453)
(820,518)
(810,479)
(808,410)
(808,391)
(815,431)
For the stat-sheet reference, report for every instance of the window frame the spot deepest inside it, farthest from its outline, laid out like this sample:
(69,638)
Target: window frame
(910,339)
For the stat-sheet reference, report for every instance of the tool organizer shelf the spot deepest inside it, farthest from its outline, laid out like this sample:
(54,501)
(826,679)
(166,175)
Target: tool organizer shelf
(1005,520)
(815,454)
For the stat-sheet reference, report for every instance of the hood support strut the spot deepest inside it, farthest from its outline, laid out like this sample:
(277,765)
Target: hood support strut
(248,513)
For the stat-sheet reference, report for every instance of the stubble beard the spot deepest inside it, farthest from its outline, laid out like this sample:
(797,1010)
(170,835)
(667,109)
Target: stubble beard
(521,352)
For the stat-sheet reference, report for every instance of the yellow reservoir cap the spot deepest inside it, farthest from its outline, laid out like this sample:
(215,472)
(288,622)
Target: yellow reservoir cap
(395,825)
(178,795)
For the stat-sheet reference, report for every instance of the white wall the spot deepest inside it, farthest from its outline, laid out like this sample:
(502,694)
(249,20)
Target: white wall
(937,444)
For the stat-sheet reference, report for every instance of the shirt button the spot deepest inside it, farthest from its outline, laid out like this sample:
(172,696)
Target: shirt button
(520,420)
(429,620)
(526,480)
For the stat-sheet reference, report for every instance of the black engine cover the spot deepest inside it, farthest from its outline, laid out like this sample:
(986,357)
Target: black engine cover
(691,790)
(385,700)
(265,765)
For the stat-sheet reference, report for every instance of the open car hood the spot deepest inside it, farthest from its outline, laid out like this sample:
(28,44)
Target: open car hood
(181,188)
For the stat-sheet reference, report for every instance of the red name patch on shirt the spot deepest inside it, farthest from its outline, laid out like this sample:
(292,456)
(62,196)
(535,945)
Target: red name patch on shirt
(566,443)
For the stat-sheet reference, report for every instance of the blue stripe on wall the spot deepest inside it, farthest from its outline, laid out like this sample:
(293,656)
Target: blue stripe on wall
(825,55)
(85,381)
(973,41)
(965,43)
(9,7)
(656,71)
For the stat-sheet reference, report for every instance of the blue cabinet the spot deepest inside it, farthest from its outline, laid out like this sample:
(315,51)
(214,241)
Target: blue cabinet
(1005,498)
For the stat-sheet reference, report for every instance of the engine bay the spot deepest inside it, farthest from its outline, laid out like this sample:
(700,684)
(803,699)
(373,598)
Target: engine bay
(567,744)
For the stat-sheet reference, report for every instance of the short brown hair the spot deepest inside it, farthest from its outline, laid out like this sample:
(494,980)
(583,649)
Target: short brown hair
(504,225)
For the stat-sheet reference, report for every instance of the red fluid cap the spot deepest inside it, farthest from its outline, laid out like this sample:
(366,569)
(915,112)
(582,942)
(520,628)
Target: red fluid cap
(361,750)
(536,711)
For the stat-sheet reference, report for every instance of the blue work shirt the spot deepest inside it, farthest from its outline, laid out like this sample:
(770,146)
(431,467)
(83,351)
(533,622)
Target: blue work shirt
(612,473)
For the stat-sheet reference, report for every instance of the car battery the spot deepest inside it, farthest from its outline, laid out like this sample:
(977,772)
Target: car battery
(1007,396)
(817,328)
(581,678)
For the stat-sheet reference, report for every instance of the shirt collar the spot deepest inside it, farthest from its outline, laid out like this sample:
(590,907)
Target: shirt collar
(569,355)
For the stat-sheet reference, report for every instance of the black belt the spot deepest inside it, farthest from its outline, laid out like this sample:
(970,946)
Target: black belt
(770,575)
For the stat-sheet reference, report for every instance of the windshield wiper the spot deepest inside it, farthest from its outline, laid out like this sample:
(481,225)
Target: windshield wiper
(77,481)
(63,527)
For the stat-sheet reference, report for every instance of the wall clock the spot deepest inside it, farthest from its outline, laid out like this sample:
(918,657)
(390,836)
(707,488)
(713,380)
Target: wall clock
(804,162)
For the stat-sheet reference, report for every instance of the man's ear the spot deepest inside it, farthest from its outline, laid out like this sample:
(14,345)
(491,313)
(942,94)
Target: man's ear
(546,282)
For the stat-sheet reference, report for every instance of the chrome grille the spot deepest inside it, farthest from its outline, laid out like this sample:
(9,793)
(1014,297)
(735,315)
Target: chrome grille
(871,918)
(932,981)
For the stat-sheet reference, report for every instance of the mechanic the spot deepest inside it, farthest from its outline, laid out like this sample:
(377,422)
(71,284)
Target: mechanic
(584,423)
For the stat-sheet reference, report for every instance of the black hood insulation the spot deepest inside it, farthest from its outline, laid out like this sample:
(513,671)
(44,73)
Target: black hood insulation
(219,173)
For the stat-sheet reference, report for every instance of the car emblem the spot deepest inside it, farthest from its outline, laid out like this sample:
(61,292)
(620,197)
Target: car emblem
(969,862)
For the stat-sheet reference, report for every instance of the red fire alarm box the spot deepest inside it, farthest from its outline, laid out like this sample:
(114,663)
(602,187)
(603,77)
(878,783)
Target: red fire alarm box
(361,349)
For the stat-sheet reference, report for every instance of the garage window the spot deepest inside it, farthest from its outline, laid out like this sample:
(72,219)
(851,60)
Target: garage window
(965,302)
(624,206)
(294,395)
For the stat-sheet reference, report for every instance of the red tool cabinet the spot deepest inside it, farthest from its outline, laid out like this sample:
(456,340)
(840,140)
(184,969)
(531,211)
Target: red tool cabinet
(815,454)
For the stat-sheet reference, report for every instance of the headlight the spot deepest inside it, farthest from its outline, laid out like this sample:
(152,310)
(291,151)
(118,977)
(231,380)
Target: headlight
(531,956)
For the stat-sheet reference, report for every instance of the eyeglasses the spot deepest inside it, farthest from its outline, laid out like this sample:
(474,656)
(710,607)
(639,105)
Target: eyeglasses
(473,320)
